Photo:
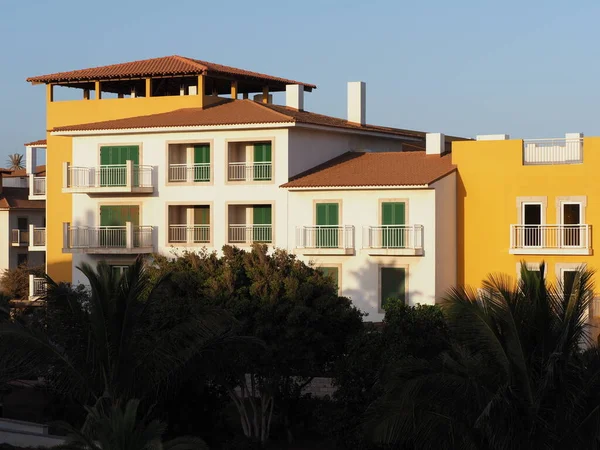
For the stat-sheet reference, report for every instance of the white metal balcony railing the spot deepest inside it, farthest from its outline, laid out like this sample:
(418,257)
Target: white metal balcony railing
(325,237)
(37,287)
(242,171)
(247,234)
(108,176)
(126,238)
(562,238)
(552,151)
(393,237)
(39,237)
(19,237)
(189,173)
(189,234)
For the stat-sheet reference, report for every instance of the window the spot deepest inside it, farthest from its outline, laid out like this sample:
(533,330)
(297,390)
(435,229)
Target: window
(202,163)
(327,221)
(112,164)
(568,279)
(119,270)
(22,259)
(532,221)
(571,221)
(262,162)
(392,285)
(331,272)
(393,219)
(22,223)
(261,229)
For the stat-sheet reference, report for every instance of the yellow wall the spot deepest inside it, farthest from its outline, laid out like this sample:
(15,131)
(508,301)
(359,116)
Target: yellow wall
(491,176)
(59,205)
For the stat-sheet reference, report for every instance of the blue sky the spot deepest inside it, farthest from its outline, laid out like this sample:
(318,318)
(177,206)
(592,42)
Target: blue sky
(529,69)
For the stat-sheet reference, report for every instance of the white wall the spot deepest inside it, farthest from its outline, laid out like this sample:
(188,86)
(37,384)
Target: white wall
(309,148)
(360,272)
(4,241)
(446,235)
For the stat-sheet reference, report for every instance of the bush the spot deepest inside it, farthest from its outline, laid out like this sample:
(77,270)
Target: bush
(14,283)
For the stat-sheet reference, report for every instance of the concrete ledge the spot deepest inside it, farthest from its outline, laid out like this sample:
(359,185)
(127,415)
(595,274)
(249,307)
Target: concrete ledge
(550,251)
(110,251)
(109,190)
(393,251)
(324,251)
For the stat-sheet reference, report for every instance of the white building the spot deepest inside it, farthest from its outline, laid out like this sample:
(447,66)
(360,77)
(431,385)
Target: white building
(240,171)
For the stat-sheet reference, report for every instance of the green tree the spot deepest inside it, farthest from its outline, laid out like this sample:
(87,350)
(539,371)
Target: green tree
(516,376)
(291,307)
(15,161)
(116,428)
(120,340)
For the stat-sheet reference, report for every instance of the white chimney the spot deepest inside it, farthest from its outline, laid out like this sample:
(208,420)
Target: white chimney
(435,143)
(294,96)
(492,137)
(357,102)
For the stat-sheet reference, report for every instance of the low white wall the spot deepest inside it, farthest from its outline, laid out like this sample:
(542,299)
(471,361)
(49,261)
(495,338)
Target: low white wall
(27,434)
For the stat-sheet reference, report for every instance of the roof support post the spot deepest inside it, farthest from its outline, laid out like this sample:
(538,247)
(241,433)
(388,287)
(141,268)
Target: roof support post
(245,96)
(120,95)
(265,95)
(148,87)
(200,90)
(234,89)
(49,93)
(86,94)
(98,90)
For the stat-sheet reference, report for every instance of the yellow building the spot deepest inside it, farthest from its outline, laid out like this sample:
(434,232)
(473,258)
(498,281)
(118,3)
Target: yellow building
(526,200)
(127,90)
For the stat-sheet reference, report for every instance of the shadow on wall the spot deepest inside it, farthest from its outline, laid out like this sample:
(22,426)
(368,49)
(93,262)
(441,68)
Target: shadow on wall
(364,290)
(461,194)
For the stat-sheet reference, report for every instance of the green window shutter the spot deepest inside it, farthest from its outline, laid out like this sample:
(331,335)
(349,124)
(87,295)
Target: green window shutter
(201,215)
(262,215)
(393,284)
(202,154)
(327,214)
(332,272)
(393,216)
(117,215)
(114,155)
(262,154)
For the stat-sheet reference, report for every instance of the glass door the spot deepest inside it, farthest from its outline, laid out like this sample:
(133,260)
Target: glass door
(532,225)
(571,224)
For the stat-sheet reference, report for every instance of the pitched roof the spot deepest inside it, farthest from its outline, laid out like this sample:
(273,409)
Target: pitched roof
(40,171)
(167,65)
(18,198)
(234,112)
(38,143)
(356,169)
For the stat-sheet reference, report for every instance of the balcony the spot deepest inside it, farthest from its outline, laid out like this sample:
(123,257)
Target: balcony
(37,241)
(553,151)
(19,238)
(189,234)
(258,171)
(250,234)
(129,239)
(393,240)
(325,240)
(37,187)
(119,178)
(37,288)
(184,173)
(550,240)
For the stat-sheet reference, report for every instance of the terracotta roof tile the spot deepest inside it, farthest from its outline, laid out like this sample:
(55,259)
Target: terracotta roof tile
(18,198)
(234,112)
(407,168)
(40,171)
(41,143)
(167,65)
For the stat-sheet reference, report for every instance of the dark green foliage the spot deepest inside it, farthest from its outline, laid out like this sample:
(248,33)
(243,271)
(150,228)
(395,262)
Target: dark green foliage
(418,331)
(291,307)
(515,377)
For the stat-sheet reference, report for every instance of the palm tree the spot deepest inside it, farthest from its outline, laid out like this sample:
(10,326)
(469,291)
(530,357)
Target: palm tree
(517,376)
(113,428)
(125,338)
(15,161)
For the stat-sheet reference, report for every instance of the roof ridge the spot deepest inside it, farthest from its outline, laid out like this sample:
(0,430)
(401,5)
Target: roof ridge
(190,61)
(267,106)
